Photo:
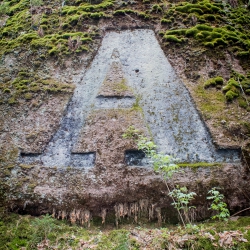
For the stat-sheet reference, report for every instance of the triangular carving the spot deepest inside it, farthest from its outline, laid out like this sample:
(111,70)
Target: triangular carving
(115,84)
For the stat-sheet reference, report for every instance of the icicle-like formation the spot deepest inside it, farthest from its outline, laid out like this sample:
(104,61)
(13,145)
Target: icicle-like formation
(136,210)
(79,216)
(103,215)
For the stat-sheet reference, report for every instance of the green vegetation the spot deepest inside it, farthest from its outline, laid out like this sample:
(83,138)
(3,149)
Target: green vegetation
(173,38)
(211,25)
(218,204)
(36,3)
(199,164)
(49,30)
(214,82)
(166,167)
(27,85)
(46,30)
(238,86)
(121,87)
(25,231)
(211,101)
(182,198)
(211,37)
(24,26)
(17,232)
(4,7)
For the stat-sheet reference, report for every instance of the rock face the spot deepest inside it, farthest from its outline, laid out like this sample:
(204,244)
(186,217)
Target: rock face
(166,104)
(86,166)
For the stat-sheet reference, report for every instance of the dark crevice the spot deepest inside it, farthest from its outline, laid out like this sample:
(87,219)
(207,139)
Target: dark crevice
(135,157)
(115,96)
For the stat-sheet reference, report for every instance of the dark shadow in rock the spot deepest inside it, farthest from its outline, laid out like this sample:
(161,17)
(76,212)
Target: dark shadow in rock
(136,158)
(30,158)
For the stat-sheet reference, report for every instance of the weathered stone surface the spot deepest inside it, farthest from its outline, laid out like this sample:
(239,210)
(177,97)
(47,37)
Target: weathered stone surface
(115,83)
(45,189)
(103,134)
(32,127)
(58,183)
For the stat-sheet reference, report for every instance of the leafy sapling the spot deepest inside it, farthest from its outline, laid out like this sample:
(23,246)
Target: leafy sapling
(218,204)
(182,199)
(163,164)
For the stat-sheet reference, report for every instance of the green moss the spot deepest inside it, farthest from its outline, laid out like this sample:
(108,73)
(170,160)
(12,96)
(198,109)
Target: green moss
(18,31)
(204,11)
(165,21)
(136,105)
(213,82)
(121,87)
(210,17)
(200,164)
(234,87)
(28,96)
(242,103)
(12,100)
(25,84)
(4,8)
(230,95)
(173,38)
(97,15)
(243,53)
(54,51)
(143,15)
(157,8)
(178,32)
(212,101)
(6,90)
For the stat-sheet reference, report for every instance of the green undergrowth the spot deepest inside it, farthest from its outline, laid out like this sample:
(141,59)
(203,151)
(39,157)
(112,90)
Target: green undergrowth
(59,30)
(70,7)
(27,232)
(210,36)
(27,85)
(60,44)
(212,102)
(211,24)
(47,28)
(237,87)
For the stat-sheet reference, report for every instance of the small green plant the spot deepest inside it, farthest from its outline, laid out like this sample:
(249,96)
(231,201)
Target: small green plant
(131,133)
(218,205)
(182,199)
(163,164)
